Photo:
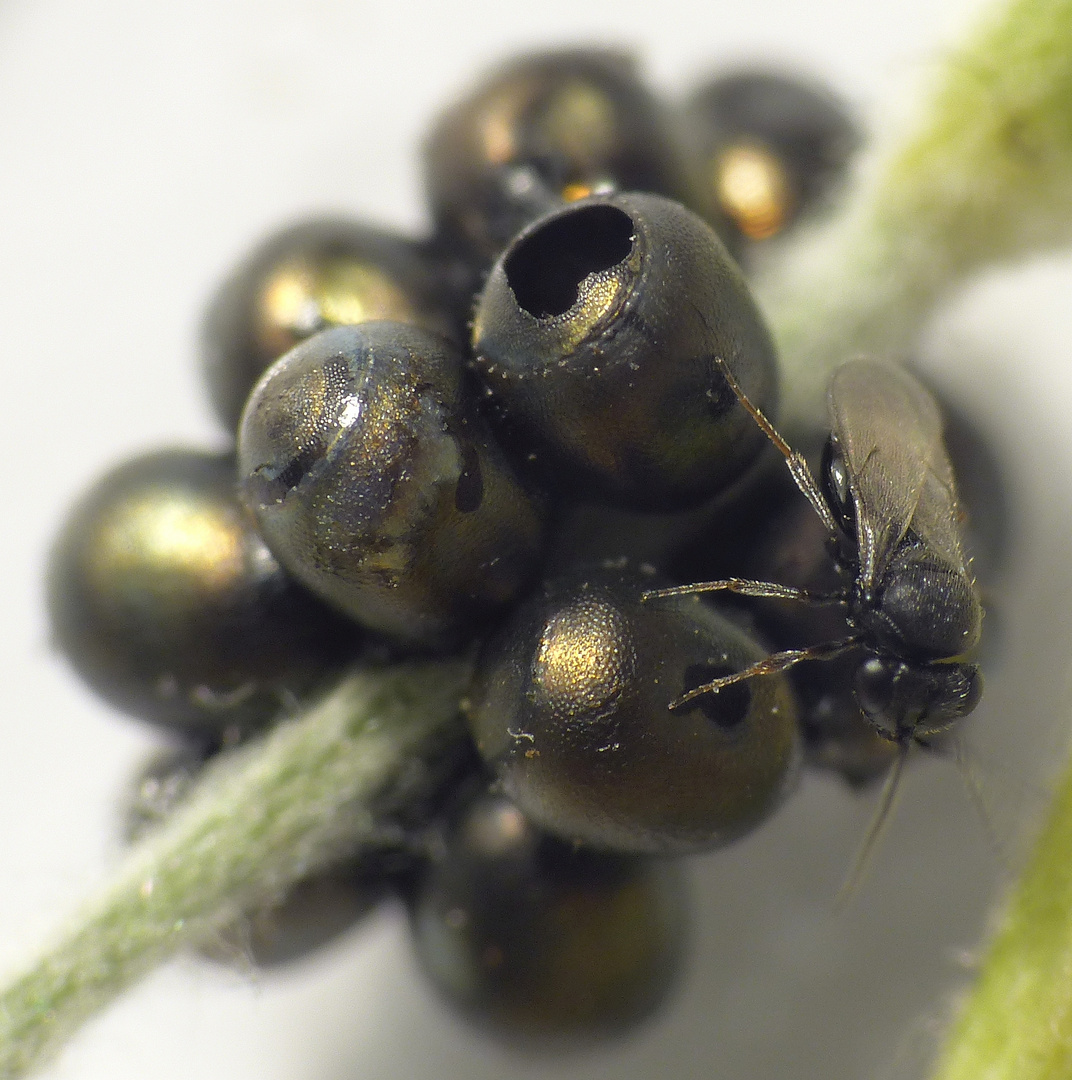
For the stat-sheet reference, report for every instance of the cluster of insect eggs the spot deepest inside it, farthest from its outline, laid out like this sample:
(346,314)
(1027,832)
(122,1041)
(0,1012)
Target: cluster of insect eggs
(386,506)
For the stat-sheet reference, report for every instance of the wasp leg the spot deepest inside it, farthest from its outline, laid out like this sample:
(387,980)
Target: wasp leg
(778,661)
(746,587)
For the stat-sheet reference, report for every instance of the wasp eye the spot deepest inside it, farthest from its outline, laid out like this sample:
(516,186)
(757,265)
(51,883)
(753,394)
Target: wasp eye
(837,488)
(875,683)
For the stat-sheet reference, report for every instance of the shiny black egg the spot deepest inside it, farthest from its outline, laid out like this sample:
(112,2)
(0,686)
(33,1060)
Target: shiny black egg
(305,278)
(768,146)
(541,130)
(165,599)
(375,482)
(574,707)
(596,338)
(542,943)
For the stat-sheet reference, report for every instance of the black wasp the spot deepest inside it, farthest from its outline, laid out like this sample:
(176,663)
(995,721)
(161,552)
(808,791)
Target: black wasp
(888,499)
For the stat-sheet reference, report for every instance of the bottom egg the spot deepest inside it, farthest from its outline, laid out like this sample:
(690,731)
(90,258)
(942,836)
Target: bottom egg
(542,943)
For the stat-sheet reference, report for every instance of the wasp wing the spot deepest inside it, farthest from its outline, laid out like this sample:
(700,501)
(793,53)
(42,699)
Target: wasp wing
(889,430)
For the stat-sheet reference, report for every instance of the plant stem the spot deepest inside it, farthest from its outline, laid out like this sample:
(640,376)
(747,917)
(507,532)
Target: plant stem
(986,179)
(264,817)
(1017,1023)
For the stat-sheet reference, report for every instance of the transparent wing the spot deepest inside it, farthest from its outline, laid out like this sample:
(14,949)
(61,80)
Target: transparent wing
(890,432)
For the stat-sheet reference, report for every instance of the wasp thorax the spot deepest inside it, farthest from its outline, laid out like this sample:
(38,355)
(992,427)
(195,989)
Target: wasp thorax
(376,484)
(571,706)
(929,607)
(597,335)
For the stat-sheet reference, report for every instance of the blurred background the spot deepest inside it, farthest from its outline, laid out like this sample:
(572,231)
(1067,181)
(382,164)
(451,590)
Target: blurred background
(143,148)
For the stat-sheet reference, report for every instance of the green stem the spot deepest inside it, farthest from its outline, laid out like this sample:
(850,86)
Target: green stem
(987,179)
(1017,1023)
(263,818)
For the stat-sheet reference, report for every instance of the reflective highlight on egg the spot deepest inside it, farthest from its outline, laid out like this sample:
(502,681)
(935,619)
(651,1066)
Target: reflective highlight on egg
(769,146)
(571,707)
(596,336)
(164,599)
(544,129)
(305,278)
(374,481)
(751,185)
(540,942)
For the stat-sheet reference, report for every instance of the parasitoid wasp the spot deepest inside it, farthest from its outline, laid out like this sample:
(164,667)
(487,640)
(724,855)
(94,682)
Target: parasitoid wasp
(888,499)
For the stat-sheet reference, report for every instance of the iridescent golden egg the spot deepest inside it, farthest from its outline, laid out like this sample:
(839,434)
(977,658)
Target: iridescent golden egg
(376,483)
(309,276)
(168,603)
(572,708)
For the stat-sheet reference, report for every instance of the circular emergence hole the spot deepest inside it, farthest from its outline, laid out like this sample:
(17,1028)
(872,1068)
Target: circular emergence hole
(547,267)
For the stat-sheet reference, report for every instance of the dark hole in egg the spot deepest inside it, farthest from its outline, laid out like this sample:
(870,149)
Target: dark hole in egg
(268,486)
(546,268)
(727,707)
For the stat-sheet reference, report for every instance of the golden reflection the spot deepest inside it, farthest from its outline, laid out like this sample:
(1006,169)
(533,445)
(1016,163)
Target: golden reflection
(300,299)
(580,121)
(496,830)
(174,537)
(573,192)
(352,292)
(583,660)
(752,187)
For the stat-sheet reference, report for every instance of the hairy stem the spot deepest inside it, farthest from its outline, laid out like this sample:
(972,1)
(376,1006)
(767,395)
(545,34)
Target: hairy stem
(1017,1023)
(264,817)
(986,179)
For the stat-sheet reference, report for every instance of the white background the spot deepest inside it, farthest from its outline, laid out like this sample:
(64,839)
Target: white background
(143,147)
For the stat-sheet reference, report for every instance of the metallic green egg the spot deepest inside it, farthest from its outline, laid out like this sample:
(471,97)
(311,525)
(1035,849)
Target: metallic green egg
(312,275)
(545,129)
(596,337)
(166,601)
(571,706)
(543,943)
(376,484)
(768,147)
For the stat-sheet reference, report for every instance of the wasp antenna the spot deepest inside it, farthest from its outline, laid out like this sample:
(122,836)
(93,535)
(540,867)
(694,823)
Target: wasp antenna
(890,790)
(798,466)
(968,766)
